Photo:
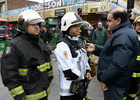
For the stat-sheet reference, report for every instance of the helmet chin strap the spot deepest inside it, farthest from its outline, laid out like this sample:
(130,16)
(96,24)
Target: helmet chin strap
(67,32)
(138,33)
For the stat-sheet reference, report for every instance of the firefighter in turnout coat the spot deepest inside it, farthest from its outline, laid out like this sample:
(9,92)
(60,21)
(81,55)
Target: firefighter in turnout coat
(25,63)
(131,92)
(85,31)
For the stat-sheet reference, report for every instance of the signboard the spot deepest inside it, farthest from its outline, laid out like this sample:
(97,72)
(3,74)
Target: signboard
(50,20)
(93,9)
(72,2)
(37,7)
(49,13)
(60,12)
(98,7)
(2,44)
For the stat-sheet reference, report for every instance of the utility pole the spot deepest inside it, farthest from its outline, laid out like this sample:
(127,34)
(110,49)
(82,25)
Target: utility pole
(43,9)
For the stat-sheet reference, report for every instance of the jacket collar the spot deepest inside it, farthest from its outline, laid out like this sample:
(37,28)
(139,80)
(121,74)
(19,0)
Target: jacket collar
(30,37)
(121,26)
(72,38)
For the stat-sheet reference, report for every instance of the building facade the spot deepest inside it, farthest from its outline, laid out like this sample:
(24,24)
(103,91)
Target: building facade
(52,11)
(6,5)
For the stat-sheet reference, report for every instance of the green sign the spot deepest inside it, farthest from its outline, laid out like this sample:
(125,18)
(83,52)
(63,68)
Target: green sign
(50,20)
(3,44)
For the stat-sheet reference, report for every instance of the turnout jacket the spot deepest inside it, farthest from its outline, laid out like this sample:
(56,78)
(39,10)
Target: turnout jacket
(136,73)
(15,65)
(118,56)
(71,67)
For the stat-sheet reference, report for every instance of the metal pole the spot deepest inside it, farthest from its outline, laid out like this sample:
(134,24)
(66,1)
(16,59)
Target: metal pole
(26,3)
(43,9)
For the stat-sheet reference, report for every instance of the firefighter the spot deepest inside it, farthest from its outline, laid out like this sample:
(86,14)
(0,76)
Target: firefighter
(72,62)
(131,92)
(85,31)
(25,65)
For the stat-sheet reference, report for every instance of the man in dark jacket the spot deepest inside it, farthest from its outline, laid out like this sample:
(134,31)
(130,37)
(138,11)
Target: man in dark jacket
(25,63)
(46,35)
(118,56)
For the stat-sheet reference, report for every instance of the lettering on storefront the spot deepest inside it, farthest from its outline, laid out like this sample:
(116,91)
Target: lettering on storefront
(48,13)
(38,7)
(52,4)
(74,8)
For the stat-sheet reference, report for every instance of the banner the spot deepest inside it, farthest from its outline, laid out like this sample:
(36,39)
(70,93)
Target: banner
(38,7)
(72,2)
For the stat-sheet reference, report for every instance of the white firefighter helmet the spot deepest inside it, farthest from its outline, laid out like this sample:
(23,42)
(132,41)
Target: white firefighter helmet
(70,19)
(28,17)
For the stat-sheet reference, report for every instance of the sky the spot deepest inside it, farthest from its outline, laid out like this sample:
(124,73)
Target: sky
(40,1)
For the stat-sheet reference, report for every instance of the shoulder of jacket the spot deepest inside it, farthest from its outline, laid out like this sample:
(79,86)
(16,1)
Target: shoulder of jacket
(61,43)
(16,40)
(41,40)
(104,29)
(95,30)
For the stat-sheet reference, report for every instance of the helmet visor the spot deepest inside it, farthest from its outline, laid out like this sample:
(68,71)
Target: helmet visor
(138,20)
(36,21)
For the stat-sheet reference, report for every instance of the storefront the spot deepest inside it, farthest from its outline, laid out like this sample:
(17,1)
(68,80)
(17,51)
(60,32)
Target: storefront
(91,12)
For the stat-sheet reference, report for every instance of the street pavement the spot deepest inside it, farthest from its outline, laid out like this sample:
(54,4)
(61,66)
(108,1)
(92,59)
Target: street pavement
(94,90)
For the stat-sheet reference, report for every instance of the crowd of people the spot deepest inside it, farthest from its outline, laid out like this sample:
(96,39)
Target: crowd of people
(26,64)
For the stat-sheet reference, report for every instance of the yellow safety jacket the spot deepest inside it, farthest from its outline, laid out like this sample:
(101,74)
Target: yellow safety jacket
(136,73)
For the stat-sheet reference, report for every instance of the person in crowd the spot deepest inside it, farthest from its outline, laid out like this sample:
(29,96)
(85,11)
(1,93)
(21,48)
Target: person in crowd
(132,91)
(99,37)
(46,35)
(25,64)
(57,29)
(84,37)
(118,56)
(73,67)
(57,32)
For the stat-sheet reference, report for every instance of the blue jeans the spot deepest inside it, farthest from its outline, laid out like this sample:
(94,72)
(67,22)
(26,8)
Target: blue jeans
(114,93)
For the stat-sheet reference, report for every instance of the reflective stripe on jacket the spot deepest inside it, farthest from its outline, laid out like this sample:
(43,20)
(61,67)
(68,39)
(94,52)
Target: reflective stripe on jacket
(136,74)
(19,90)
(43,67)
